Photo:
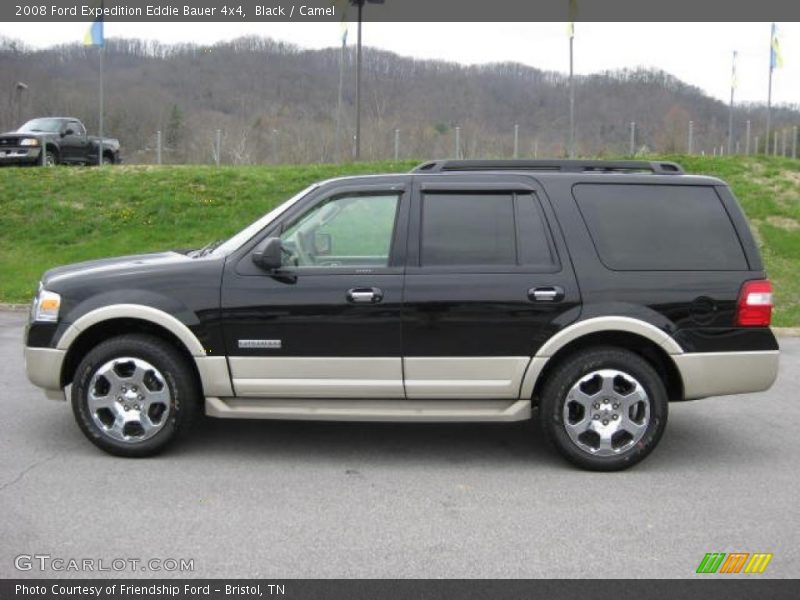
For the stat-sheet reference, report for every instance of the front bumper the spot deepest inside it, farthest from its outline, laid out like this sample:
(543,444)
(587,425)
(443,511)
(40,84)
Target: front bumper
(43,367)
(707,374)
(20,156)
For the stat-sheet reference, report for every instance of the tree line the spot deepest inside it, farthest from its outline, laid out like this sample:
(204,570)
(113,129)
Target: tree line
(275,102)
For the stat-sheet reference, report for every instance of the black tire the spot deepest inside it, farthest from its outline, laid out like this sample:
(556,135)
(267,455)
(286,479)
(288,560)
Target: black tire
(50,159)
(184,393)
(577,366)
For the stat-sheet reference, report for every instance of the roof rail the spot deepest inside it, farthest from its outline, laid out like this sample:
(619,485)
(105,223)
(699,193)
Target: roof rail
(555,165)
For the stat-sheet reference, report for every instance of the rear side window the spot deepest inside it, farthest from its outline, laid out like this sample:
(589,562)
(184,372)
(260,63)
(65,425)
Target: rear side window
(660,227)
(483,229)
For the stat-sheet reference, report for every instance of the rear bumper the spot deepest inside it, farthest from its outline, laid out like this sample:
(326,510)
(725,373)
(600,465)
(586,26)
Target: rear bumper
(720,373)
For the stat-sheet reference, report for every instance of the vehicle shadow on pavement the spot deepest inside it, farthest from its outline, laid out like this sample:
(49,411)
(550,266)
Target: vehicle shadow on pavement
(410,443)
(690,440)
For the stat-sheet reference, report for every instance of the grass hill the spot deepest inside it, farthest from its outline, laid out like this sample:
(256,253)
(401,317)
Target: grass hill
(66,214)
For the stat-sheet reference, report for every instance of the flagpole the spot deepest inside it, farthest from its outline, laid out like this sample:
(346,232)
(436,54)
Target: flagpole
(358,84)
(572,9)
(571,99)
(769,111)
(100,142)
(769,89)
(730,109)
(339,101)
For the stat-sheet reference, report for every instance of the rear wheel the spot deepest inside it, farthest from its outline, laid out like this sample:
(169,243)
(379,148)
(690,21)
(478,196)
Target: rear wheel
(604,409)
(133,395)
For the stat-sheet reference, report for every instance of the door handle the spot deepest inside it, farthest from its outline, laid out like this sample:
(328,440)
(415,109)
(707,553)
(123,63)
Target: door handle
(553,293)
(364,295)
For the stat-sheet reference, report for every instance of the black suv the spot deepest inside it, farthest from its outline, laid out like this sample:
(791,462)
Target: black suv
(591,292)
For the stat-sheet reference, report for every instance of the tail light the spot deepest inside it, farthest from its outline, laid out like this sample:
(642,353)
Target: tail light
(754,308)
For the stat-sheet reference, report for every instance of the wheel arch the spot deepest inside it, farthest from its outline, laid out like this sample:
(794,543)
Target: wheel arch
(103,323)
(51,147)
(646,340)
(83,340)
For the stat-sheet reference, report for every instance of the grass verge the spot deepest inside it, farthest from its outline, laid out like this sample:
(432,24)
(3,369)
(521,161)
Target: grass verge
(67,214)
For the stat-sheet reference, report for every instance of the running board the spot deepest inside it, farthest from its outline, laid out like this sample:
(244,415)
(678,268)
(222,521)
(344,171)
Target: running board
(369,410)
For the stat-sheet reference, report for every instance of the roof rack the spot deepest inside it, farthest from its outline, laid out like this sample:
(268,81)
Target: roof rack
(554,165)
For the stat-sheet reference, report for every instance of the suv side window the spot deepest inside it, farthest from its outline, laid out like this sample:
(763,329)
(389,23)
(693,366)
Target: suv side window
(660,227)
(483,229)
(76,127)
(353,230)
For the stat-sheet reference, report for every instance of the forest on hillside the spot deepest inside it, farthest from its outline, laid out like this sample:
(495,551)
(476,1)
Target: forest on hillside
(275,102)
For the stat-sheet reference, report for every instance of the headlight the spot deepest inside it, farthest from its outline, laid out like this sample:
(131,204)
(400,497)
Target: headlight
(29,142)
(46,306)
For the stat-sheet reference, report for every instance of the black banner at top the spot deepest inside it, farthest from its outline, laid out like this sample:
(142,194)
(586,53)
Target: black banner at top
(398,10)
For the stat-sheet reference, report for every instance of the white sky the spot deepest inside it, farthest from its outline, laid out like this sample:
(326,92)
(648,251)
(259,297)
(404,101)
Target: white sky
(697,53)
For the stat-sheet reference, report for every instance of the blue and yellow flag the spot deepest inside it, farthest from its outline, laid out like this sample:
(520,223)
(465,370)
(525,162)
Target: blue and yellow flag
(775,56)
(94,35)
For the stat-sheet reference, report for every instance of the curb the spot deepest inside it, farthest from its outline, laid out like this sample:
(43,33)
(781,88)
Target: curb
(14,307)
(787,331)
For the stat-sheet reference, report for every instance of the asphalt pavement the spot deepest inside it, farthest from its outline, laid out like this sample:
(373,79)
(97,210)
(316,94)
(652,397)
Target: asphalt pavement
(328,500)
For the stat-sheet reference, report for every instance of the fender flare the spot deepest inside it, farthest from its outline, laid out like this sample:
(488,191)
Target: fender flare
(580,329)
(132,311)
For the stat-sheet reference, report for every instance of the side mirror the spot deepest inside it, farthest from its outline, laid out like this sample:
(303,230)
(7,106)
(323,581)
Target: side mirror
(268,254)
(323,244)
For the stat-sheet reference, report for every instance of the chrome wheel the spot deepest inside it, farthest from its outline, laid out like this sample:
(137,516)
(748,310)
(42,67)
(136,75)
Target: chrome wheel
(129,399)
(606,412)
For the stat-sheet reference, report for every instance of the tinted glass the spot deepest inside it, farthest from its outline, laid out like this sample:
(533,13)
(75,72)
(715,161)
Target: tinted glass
(534,242)
(660,227)
(468,229)
(345,231)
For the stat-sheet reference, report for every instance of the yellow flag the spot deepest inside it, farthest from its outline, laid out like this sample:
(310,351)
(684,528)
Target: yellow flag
(573,12)
(775,56)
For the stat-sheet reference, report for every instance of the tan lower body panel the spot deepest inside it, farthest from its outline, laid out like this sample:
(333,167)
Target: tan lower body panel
(317,377)
(497,377)
(720,373)
(214,375)
(369,410)
(43,367)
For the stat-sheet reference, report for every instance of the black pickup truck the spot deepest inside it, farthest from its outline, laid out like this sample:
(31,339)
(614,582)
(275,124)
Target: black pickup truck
(63,140)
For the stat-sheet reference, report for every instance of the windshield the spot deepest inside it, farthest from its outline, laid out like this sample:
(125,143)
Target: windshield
(248,232)
(41,125)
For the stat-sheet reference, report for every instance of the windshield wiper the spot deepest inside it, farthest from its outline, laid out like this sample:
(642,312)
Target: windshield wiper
(207,249)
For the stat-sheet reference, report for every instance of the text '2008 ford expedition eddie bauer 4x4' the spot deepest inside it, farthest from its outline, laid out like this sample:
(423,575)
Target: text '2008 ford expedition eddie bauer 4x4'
(591,292)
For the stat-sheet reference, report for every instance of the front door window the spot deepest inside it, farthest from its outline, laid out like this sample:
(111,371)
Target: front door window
(343,231)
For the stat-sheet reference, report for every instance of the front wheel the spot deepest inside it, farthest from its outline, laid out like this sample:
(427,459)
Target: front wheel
(604,409)
(133,395)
